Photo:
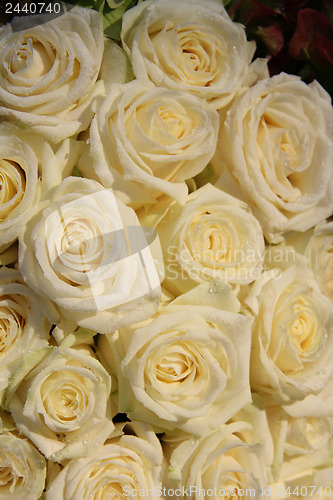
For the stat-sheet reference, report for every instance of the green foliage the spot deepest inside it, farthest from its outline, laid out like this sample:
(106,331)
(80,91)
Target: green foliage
(112,19)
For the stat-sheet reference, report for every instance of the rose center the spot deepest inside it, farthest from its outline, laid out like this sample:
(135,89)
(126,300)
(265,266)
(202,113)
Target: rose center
(176,122)
(118,472)
(30,59)
(302,329)
(195,55)
(280,157)
(230,483)
(298,333)
(80,239)
(196,51)
(12,186)
(65,398)
(66,403)
(173,368)
(177,363)
(11,326)
(210,241)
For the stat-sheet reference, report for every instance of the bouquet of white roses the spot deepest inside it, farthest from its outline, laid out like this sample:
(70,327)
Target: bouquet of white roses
(166,286)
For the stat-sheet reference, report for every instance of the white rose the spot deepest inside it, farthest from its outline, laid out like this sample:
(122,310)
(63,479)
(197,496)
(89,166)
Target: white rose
(188,368)
(275,152)
(131,463)
(319,251)
(189,45)
(220,465)
(20,187)
(303,455)
(292,343)
(314,484)
(314,405)
(48,72)
(300,444)
(23,326)
(60,399)
(22,469)
(87,252)
(256,432)
(153,137)
(213,235)
(55,161)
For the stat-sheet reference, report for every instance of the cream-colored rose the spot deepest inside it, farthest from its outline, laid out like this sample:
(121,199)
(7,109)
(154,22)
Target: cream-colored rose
(48,72)
(187,368)
(131,463)
(313,484)
(314,405)
(256,433)
(87,252)
(212,236)
(146,141)
(23,326)
(303,448)
(292,343)
(218,466)
(275,151)
(40,166)
(189,45)
(22,469)
(55,161)
(300,444)
(60,399)
(319,251)
(20,187)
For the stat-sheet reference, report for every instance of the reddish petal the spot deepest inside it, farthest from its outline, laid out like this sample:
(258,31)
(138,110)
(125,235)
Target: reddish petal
(272,37)
(311,26)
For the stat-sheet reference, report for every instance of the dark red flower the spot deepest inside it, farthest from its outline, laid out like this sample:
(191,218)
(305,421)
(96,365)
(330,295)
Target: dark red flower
(247,11)
(313,39)
(271,37)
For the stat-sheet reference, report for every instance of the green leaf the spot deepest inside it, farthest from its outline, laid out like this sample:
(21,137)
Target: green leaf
(207,175)
(100,5)
(114,4)
(80,336)
(113,31)
(112,19)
